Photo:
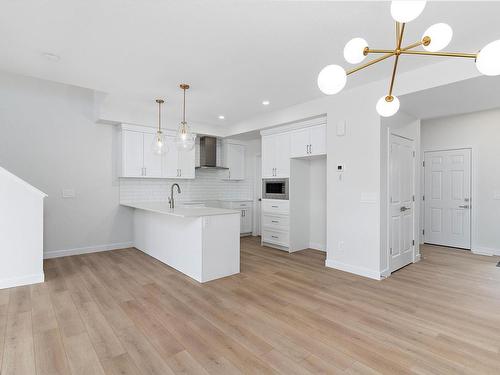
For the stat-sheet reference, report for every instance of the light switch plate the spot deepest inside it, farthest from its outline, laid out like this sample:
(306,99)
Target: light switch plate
(341,128)
(68,193)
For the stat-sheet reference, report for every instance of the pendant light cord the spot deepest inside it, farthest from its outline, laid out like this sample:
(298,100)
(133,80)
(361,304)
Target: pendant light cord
(159,117)
(184,108)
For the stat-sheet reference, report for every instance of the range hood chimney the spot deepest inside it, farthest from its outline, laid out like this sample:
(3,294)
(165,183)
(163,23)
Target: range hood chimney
(208,153)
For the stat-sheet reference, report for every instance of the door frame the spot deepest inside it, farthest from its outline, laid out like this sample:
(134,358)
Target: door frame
(473,197)
(416,254)
(257,224)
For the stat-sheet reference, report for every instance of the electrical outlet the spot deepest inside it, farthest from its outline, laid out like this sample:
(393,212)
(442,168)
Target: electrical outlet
(340,246)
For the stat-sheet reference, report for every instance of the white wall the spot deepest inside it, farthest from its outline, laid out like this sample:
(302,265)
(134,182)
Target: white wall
(481,132)
(48,137)
(317,204)
(21,232)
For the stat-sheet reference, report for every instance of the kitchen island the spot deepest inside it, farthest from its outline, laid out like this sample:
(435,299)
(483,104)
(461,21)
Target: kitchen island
(201,242)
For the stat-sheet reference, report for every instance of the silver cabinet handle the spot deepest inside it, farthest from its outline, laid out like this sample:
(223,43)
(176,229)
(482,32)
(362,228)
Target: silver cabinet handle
(145,171)
(464,206)
(274,206)
(403,209)
(274,236)
(310,149)
(274,221)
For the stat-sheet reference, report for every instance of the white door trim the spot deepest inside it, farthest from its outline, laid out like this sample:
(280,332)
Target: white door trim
(474,197)
(416,254)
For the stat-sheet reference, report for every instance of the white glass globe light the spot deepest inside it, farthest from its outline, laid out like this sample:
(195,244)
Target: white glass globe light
(406,11)
(354,50)
(387,108)
(488,59)
(440,34)
(332,79)
(185,140)
(159,146)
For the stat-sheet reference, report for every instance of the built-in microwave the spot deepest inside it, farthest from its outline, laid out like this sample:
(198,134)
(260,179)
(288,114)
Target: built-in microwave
(275,188)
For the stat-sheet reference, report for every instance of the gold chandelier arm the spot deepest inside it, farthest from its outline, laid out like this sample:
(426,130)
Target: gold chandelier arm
(368,50)
(397,59)
(381,58)
(445,54)
(398,31)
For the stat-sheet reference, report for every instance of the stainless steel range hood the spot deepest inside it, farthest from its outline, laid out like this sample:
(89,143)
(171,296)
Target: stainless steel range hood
(208,153)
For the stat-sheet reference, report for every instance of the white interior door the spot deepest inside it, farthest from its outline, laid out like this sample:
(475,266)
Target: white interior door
(401,202)
(448,198)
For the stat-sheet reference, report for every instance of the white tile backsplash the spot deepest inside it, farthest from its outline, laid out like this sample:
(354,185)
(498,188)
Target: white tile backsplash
(208,185)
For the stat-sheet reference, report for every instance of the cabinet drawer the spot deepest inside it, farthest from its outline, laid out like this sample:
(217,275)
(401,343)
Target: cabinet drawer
(275,222)
(275,237)
(275,206)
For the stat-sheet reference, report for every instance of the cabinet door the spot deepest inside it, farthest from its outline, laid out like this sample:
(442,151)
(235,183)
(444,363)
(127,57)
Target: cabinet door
(170,159)
(132,154)
(246,221)
(187,163)
(152,161)
(318,140)
(299,143)
(268,156)
(282,155)
(235,161)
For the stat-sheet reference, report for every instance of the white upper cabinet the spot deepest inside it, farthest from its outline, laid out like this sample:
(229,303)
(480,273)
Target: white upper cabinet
(138,159)
(276,155)
(187,164)
(132,154)
(171,159)
(234,159)
(152,161)
(268,156)
(318,140)
(308,141)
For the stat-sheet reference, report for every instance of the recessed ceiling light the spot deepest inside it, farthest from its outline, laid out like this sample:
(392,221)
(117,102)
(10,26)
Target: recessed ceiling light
(51,56)
(266,102)
(221,117)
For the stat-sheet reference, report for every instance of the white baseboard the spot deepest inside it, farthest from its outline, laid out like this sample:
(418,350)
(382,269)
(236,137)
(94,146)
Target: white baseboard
(22,280)
(480,250)
(86,250)
(361,271)
(417,258)
(317,246)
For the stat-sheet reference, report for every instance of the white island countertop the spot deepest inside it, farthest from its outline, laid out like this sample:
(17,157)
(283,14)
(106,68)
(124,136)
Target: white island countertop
(180,211)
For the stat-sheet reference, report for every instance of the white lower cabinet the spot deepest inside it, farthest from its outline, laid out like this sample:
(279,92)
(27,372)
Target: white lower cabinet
(275,237)
(276,223)
(246,214)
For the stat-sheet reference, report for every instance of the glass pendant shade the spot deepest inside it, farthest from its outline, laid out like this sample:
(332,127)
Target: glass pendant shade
(387,108)
(440,34)
(406,11)
(488,59)
(354,50)
(332,79)
(185,139)
(159,146)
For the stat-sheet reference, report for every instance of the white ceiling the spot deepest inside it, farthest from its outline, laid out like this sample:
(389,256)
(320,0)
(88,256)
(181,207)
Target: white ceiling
(472,95)
(234,53)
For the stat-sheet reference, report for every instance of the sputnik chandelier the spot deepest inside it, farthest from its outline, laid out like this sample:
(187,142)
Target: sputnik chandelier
(332,78)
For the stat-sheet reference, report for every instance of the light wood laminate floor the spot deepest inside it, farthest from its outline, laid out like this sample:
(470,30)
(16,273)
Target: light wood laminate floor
(122,312)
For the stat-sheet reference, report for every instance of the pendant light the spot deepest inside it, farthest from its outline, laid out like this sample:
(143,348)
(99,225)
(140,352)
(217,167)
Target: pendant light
(332,78)
(185,139)
(159,146)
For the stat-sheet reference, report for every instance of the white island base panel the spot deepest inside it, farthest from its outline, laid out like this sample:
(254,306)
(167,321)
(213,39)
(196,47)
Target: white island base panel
(204,248)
